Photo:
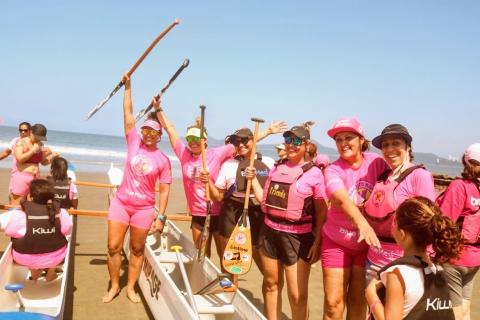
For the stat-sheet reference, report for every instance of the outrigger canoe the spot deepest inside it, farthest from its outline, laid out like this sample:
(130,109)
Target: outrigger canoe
(21,298)
(176,286)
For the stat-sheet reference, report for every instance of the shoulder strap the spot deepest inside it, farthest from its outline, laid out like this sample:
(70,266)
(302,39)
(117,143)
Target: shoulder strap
(405,173)
(414,261)
(384,175)
(259,156)
(307,166)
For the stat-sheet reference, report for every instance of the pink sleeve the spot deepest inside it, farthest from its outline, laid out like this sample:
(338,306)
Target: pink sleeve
(227,152)
(180,148)
(319,187)
(424,185)
(165,171)
(17,225)
(66,222)
(73,192)
(333,180)
(453,200)
(133,140)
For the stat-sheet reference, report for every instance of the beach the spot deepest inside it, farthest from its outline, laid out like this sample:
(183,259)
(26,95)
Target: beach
(90,276)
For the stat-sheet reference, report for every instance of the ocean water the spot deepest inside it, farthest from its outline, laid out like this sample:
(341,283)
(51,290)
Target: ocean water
(95,153)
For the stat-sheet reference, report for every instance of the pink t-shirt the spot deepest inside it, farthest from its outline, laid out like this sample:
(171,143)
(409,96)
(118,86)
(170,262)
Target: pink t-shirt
(192,167)
(462,198)
(418,183)
(14,223)
(310,184)
(143,168)
(358,183)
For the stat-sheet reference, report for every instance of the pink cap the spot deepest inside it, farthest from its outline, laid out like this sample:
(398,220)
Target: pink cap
(473,152)
(152,124)
(346,125)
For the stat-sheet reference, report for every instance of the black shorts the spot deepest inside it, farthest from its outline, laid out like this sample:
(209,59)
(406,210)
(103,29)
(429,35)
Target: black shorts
(284,246)
(199,221)
(231,212)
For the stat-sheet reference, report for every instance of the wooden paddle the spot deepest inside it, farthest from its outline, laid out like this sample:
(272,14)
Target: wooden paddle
(133,68)
(100,213)
(203,240)
(237,257)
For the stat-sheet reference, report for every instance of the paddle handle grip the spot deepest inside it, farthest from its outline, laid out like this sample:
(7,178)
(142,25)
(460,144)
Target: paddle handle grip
(151,46)
(252,159)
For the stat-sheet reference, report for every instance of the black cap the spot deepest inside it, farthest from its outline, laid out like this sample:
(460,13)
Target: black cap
(391,131)
(299,132)
(40,131)
(241,133)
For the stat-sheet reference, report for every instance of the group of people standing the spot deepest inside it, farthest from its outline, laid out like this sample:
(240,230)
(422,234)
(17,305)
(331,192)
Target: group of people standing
(361,215)
(386,241)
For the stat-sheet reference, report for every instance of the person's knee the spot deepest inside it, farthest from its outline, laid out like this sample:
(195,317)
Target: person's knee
(271,285)
(298,298)
(333,305)
(137,250)
(114,249)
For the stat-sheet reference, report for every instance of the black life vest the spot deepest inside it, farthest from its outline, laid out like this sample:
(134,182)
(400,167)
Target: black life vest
(237,191)
(435,302)
(62,192)
(41,236)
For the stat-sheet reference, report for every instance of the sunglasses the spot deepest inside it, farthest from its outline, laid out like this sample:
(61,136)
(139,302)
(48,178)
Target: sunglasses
(149,131)
(192,139)
(296,141)
(238,141)
(23,130)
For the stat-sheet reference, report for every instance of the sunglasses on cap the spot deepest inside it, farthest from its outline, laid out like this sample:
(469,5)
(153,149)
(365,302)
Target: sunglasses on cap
(150,131)
(23,130)
(236,142)
(296,141)
(192,139)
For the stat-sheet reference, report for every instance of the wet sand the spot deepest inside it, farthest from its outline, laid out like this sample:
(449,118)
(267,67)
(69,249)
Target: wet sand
(89,275)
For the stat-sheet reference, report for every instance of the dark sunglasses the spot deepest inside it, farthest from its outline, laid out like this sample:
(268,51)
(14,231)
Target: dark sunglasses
(296,141)
(244,141)
(192,139)
(23,130)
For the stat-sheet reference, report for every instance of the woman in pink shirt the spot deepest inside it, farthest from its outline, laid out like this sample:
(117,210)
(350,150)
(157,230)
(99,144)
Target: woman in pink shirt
(349,182)
(294,203)
(189,155)
(401,181)
(461,202)
(38,231)
(134,203)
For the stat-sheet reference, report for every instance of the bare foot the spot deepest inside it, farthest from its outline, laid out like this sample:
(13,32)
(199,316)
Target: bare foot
(133,296)
(51,275)
(111,294)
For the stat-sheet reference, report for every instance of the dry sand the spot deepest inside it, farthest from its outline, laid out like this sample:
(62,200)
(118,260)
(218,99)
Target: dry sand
(90,276)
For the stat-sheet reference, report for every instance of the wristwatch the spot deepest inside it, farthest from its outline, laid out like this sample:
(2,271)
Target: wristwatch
(162,217)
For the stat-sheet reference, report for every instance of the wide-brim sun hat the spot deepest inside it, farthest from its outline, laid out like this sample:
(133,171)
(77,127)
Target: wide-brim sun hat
(472,152)
(393,131)
(346,125)
(153,125)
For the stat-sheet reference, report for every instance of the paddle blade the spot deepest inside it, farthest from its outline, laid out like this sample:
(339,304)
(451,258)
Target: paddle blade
(202,248)
(104,101)
(237,257)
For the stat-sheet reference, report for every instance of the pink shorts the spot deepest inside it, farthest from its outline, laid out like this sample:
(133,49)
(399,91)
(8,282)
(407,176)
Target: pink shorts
(139,218)
(334,255)
(20,183)
(40,260)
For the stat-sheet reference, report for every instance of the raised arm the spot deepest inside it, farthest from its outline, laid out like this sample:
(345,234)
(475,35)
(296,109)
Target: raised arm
(166,124)
(128,118)
(274,127)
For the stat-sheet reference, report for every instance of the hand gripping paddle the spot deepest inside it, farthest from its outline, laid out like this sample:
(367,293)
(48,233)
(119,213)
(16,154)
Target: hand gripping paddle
(132,69)
(144,111)
(237,257)
(202,247)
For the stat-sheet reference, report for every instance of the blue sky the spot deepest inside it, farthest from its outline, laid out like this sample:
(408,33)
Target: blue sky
(410,62)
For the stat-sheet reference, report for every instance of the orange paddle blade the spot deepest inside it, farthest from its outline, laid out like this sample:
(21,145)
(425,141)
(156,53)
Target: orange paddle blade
(237,257)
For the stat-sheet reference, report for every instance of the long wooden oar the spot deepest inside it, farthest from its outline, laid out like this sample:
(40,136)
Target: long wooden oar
(202,247)
(237,257)
(143,112)
(100,185)
(100,213)
(133,68)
